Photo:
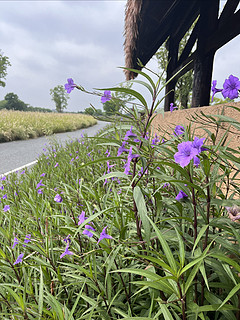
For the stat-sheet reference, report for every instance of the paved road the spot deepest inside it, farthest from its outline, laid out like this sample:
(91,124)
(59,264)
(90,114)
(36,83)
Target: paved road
(16,154)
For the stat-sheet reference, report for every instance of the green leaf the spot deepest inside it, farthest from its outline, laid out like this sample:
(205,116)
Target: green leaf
(140,272)
(165,247)
(166,313)
(203,272)
(158,262)
(142,210)
(40,295)
(192,276)
(200,234)
(226,259)
(137,318)
(18,298)
(145,85)
(229,296)
(116,174)
(142,74)
(76,301)
(162,285)
(181,248)
(131,92)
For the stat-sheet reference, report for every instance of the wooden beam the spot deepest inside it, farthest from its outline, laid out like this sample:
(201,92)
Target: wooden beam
(226,33)
(228,11)
(170,87)
(189,45)
(153,35)
(203,64)
(190,12)
(184,67)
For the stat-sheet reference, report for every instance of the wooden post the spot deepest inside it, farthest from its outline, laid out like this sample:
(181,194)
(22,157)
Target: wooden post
(172,63)
(203,64)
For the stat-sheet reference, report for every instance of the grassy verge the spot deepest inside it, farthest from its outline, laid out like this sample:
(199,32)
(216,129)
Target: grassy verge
(17,125)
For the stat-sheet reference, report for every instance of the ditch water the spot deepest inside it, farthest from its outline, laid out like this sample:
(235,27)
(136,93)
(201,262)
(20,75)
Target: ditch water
(15,155)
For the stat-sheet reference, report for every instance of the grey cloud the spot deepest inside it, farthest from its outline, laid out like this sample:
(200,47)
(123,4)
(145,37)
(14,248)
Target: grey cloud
(50,41)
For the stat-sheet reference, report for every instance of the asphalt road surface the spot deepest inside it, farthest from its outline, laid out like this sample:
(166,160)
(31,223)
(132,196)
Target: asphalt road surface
(16,154)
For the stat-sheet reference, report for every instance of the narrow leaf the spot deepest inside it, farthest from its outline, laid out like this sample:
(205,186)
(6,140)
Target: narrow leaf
(142,210)
(165,247)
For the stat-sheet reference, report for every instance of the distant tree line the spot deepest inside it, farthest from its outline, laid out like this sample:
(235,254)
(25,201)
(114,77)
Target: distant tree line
(12,102)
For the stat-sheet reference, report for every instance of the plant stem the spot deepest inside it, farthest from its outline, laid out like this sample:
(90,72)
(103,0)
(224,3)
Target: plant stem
(183,302)
(194,209)
(206,234)
(124,286)
(195,227)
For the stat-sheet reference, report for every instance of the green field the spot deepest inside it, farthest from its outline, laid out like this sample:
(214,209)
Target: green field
(18,125)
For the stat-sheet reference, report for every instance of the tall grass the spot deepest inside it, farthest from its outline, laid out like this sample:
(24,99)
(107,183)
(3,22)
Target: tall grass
(18,125)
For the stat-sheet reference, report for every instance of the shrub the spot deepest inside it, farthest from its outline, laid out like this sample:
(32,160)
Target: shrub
(125,225)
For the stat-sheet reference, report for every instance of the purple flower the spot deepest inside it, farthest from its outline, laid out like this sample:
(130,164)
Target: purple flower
(87,232)
(155,141)
(5,196)
(106,180)
(103,235)
(231,87)
(19,259)
(129,134)
(58,198)
(81,218)
(23,172)
(178,130)
(56,165)
(185,153)
(146,137)
(6,208)
(109,166)
(181,195)
(172,107)
(107,153)
(129,159)
(214,89)
(70,85)
(27,239)
(196,161)
(66,252)
(67,239)
(166,185)
(106,97)
(16,241)
(43,174)
(40,184)
(197,143)
(39,191)
(122,149)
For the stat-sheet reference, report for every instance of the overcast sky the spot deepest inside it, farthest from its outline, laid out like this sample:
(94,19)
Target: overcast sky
(50,41)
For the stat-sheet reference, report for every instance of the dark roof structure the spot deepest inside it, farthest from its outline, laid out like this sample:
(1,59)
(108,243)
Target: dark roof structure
(149,23)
